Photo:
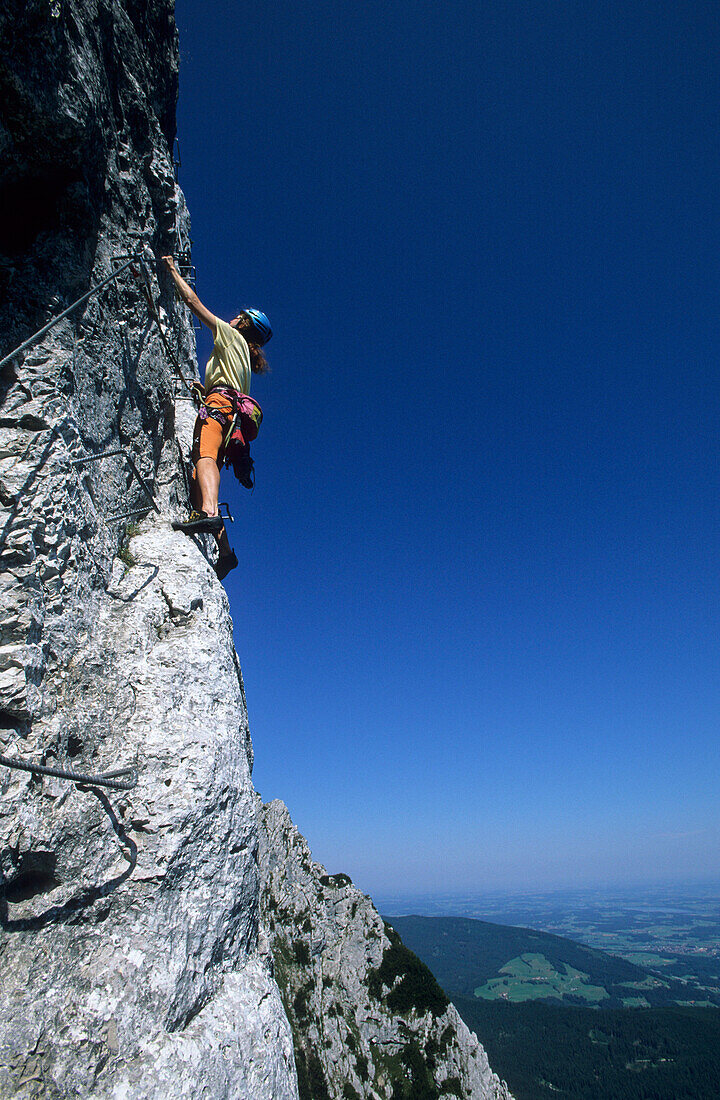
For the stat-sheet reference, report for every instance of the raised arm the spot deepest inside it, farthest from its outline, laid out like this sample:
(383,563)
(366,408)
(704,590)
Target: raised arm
(190,298)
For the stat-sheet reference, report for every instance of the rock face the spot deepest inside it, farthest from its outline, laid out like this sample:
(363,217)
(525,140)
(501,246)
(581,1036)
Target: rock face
(129,952)
(134,964)
(368,1018)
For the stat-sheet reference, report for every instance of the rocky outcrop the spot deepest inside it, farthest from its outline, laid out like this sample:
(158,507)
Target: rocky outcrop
(134,963)
(130,956)
(368,1018)
(86,177)
(130,919)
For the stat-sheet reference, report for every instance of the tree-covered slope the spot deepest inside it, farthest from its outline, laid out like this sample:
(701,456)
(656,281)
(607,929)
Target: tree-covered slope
(580,1054)
(474,958)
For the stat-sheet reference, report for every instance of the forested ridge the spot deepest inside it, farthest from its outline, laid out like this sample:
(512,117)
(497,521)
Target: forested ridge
(582,1054)
(550,1013)
(464,954)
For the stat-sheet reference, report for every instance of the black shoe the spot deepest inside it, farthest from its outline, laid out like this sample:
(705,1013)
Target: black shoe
(198,521)
(225,564)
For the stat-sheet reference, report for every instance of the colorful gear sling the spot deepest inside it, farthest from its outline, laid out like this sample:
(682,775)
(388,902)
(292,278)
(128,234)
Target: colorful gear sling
(240,427)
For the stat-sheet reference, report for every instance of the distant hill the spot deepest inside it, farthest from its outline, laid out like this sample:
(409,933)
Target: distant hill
(522,992)
(498,962)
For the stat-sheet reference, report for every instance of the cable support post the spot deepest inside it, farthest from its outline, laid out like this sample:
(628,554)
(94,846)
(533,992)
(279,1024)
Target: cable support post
(70,309)
(110,779)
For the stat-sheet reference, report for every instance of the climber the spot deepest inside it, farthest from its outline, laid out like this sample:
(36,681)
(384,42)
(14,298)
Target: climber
(236,353)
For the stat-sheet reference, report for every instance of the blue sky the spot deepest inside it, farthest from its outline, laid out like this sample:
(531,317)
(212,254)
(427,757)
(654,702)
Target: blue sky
(477,609)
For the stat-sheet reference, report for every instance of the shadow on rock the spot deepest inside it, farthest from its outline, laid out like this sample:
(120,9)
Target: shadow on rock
(61,914)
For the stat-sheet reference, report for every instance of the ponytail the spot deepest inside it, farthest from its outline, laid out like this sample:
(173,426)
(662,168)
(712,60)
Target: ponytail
(258,362)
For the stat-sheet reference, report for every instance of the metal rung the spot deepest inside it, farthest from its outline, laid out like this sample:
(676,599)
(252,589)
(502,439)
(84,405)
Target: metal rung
(128,515)
(188,273)
(136,474)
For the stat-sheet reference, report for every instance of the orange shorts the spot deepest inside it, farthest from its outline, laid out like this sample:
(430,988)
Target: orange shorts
(208,434)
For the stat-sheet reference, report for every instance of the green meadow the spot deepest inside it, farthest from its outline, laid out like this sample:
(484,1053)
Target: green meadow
(533,977)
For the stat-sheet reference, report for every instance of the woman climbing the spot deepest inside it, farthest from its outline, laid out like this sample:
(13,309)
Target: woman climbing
(237,352)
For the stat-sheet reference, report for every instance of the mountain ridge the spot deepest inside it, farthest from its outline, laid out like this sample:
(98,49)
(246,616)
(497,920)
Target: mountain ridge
(137,961)
(465,954)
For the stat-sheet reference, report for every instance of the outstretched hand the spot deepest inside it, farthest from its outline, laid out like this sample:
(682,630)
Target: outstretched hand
(189,297)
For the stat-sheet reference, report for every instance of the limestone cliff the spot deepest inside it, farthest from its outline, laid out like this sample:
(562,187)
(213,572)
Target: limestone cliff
(129,955)
(369,1020)
(134,963)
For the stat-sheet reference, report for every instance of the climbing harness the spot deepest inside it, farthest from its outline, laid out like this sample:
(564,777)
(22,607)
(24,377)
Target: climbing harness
(240,428)
(244,408)
(135,473)
(105,779)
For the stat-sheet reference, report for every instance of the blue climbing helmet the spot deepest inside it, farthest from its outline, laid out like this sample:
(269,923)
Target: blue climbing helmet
(260,331)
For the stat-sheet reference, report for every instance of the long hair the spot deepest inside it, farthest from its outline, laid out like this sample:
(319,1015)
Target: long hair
(258,362)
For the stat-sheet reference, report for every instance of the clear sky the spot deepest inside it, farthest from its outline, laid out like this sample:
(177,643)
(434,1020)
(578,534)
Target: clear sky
(478,606)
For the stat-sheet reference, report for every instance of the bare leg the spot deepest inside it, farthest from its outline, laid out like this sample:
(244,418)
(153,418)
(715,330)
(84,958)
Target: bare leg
(205,493)
(208,484)
(195,495)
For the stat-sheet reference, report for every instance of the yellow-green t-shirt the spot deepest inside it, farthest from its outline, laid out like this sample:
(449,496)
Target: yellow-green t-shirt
(229,364)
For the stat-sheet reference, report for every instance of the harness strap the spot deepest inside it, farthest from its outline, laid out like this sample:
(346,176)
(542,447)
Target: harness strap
(229,432)
(222,418)
(224,391)
(235,450)
(236,398)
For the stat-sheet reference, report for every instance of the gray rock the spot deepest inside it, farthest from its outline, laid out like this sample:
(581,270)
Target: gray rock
(367,1016)
(130,919)
(133,961)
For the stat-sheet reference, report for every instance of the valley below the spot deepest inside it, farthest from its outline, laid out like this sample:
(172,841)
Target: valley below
(584,994)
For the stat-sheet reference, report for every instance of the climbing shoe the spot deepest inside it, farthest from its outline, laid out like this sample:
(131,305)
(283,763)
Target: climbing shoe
(225,564)
(198,521)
